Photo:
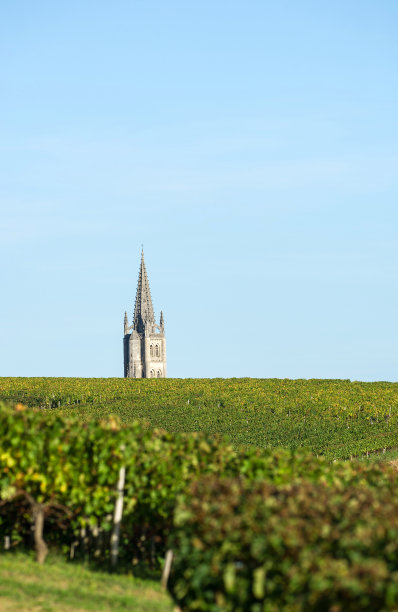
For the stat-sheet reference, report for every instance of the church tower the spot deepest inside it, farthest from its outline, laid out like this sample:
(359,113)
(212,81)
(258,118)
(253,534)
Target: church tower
(144,341)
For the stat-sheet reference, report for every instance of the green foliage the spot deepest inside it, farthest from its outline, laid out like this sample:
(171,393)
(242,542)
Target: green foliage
(72,468)
(336,418)
(251,546)
(251,528)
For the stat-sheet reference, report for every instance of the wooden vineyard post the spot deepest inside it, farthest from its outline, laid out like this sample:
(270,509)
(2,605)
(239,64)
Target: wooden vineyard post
(117,519)
(40,545)
(167,568)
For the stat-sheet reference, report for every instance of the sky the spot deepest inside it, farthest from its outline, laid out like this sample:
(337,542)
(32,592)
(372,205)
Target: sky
(251,147)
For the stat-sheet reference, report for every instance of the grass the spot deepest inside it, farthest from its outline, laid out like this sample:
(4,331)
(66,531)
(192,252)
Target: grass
(59,586)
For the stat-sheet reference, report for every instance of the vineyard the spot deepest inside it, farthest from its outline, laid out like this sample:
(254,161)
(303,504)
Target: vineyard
(249,529)
(335,418)
(213,476)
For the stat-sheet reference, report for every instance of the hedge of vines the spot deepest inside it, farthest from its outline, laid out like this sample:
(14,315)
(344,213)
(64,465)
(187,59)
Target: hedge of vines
(253,547)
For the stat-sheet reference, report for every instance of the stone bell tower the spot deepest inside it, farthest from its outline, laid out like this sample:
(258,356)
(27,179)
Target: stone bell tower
(144,341)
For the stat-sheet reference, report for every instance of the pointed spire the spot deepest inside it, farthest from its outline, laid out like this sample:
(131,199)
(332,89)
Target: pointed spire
(161,322)
(143,310)
(126,324)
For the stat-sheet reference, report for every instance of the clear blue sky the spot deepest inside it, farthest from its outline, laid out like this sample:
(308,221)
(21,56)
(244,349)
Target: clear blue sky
(251,146)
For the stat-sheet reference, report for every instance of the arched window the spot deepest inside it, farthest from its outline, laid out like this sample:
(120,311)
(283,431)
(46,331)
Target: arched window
(159,374)
(157,350)
(152,373)
(151,350)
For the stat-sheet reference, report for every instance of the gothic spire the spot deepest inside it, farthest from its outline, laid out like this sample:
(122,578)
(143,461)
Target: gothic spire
(143,311)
